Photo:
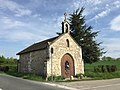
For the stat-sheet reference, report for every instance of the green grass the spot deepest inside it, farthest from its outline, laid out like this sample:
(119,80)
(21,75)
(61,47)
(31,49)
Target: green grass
(13,71)
(56,78)
(112,62)
(30,76)
(89,70)
(105,75)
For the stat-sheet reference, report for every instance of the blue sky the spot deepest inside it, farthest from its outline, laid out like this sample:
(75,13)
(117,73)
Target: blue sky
(24,22)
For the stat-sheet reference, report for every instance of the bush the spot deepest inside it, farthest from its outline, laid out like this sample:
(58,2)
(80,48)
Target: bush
(79,76)
(90,74)
(10,61)
(107,68)
(55,78)
(4,68)
(113,68)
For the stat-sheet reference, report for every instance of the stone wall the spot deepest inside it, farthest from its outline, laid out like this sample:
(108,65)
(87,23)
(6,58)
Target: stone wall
(23,62)
(34,62)
(59,50)
(40,62)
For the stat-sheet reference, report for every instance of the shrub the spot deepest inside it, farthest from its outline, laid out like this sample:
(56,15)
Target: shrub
(4,68)
(96,69)
(103,69)
(107,68)
(80,76)
(113,68)
(55,78)
(90,74)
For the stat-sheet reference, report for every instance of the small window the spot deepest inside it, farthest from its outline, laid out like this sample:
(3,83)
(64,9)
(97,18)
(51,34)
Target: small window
(51,50)
(67,43)
(66,28)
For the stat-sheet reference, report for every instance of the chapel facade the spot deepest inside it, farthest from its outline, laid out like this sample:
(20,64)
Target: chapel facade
(58,56)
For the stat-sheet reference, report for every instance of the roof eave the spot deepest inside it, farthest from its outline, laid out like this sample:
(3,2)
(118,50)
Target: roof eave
(20,53)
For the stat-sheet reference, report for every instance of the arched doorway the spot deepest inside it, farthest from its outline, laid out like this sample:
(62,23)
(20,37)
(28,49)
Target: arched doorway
(67,66)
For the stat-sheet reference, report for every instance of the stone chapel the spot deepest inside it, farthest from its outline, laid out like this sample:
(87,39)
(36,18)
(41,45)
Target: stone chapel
(58,56)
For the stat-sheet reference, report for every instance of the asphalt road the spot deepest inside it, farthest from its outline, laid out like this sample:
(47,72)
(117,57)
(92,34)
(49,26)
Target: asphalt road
(110,84)
(12,83)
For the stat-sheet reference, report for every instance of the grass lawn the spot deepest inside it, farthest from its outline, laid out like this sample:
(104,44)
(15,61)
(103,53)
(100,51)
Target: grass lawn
(112,62)
(89,70)
(30,76)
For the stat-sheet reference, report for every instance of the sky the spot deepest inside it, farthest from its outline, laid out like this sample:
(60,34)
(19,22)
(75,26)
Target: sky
(25,22)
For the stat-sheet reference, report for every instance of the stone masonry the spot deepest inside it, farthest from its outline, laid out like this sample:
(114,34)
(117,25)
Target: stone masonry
(60,48)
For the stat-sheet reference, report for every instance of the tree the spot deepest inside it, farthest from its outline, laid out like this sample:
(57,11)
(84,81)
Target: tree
(2,59)
(108,58)
(85,37)
(118,59)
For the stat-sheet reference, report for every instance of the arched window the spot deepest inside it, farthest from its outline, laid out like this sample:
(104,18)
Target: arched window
(66,28)
(67,43)
(51,50)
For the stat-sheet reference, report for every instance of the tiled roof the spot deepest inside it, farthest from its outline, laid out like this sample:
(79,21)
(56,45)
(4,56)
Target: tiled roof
(37,46)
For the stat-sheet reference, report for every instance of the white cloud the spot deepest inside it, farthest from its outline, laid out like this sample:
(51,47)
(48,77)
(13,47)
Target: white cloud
(18,35)
(22,12)
(8,23)
(112,46)
(90,5)
(58,21)
(79,3)
(117,4)
(14,30)
(115,24)
(14,7)
(105,10)
(100,15)
(94,2)
(103,13)
(37,16)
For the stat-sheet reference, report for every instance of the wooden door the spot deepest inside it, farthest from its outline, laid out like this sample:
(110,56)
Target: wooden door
(67,66)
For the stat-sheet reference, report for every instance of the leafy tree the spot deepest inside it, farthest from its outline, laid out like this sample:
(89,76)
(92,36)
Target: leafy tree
(118,59)
(85,37)
(108,58)
(4,60)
